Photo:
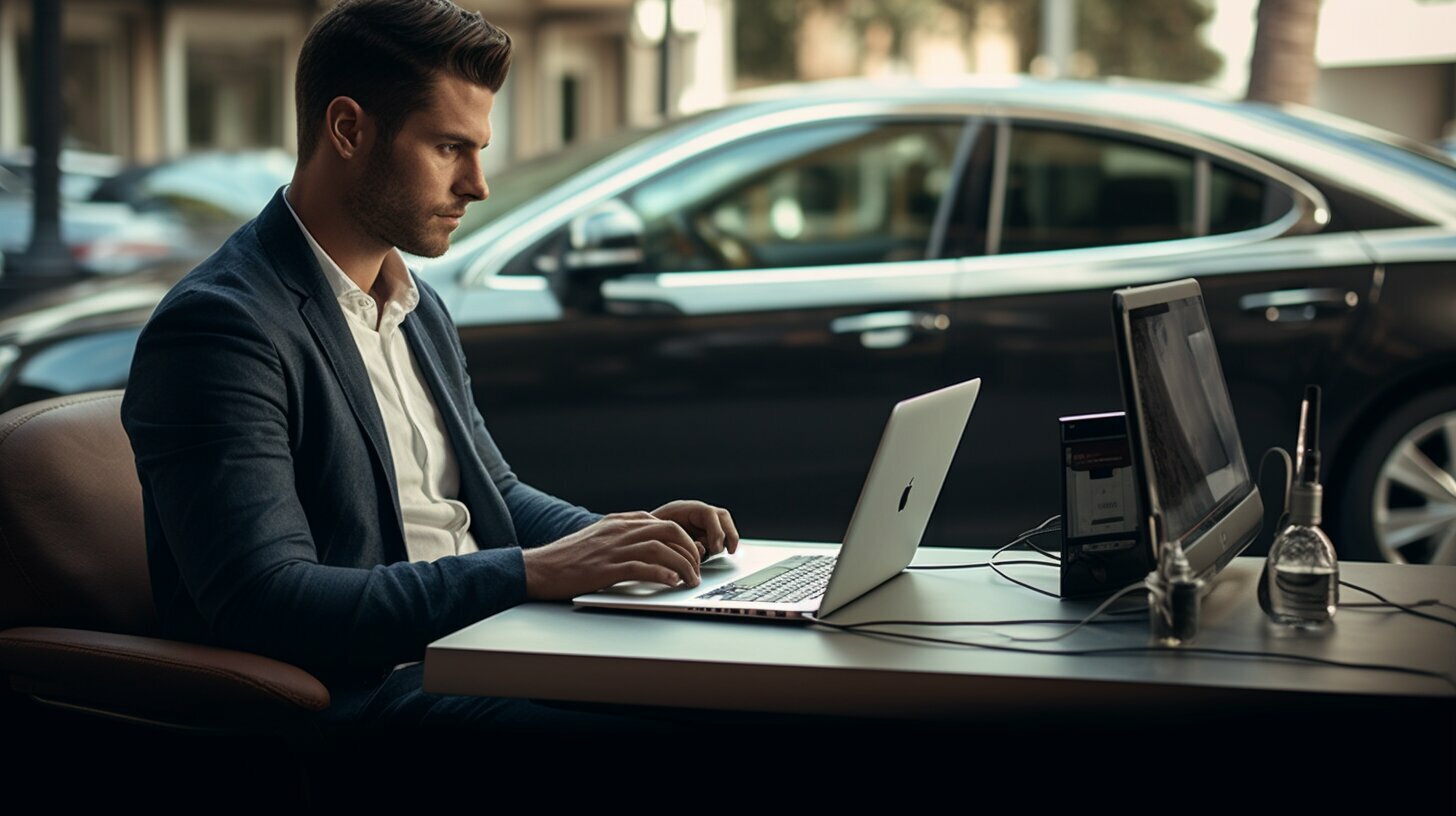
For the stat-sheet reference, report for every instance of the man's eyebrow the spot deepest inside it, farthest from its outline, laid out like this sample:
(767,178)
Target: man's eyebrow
(463,139)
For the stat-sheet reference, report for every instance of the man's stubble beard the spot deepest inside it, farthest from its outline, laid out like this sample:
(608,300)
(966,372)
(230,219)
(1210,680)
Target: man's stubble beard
(386,214)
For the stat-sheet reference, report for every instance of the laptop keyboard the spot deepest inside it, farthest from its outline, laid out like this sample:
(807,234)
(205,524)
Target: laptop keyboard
(797,578)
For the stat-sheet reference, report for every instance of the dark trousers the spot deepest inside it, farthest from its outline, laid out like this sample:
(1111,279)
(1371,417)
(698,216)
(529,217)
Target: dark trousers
(398,704)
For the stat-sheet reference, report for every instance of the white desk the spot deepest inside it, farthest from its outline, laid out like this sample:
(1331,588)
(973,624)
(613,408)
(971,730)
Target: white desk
(553,651)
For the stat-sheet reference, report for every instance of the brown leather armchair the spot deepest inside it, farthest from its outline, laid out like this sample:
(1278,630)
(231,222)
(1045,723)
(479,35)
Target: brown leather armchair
(77,625)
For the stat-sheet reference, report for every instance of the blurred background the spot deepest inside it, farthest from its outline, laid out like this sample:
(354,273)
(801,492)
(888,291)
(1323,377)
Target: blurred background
(149,80)
(176,117)
(724,236)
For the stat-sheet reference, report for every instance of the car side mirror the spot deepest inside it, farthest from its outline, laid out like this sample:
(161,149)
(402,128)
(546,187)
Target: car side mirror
(605,241)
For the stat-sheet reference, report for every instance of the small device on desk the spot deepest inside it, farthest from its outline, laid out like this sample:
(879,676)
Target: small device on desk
(1102,546)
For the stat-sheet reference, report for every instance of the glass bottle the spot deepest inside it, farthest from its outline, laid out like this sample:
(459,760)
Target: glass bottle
(1302,573)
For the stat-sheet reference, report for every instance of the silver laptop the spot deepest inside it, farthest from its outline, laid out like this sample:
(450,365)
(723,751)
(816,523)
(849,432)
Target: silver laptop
(894,506)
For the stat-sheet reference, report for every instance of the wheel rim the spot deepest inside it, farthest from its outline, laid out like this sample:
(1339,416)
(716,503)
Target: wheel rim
(1415,496)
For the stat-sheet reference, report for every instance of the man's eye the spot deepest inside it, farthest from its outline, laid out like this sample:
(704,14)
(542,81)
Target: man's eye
(450,148)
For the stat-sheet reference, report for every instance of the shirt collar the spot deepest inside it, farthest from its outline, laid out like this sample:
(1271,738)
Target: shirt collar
(403,295)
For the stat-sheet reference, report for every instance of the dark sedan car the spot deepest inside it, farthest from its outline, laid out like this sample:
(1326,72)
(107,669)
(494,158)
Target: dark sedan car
(727,306)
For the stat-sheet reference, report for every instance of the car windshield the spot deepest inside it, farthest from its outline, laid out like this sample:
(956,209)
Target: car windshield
(516,185)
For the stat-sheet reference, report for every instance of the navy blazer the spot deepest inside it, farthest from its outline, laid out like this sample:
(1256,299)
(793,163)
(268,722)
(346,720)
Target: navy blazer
(272,515)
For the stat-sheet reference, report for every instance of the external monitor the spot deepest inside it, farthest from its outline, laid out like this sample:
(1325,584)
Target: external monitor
(1192,476)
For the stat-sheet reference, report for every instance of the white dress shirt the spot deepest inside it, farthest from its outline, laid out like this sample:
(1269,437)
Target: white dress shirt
(428,478)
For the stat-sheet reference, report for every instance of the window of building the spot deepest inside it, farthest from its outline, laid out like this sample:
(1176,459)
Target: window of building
(95,80)
(234,94)
(227,77)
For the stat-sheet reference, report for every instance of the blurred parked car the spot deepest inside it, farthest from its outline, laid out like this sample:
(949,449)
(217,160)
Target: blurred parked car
(202,188)
(726,307)
(116,221)
(106,238)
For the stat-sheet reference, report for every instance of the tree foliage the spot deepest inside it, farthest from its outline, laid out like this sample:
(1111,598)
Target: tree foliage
(1150,39)
(765,37)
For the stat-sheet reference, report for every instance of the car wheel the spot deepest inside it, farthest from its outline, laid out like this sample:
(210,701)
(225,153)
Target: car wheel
(1399,503)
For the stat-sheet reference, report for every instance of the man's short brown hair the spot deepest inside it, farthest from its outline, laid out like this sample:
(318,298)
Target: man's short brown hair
(384,54)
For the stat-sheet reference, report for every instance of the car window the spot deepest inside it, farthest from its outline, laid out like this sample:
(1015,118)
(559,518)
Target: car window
(849,192)
(1068,189)
(1238,200)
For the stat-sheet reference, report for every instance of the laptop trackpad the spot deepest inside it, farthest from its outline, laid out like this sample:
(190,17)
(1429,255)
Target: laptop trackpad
(711,570)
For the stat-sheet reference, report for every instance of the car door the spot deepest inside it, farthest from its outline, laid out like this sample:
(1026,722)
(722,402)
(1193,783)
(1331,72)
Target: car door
(1055,217)
(782,301)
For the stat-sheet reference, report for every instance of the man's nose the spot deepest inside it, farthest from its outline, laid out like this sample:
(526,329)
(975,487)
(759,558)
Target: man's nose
(471,183)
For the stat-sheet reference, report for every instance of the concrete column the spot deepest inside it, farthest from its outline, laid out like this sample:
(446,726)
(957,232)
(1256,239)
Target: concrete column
(146,91)
(1058,35)
(10,92)
(174,84)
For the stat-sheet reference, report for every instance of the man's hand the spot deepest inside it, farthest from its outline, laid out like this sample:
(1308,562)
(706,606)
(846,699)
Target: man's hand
(621,547)
(711,527)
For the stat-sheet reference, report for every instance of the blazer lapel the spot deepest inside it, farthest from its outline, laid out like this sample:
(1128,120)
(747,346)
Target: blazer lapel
(297,266)
(489,517)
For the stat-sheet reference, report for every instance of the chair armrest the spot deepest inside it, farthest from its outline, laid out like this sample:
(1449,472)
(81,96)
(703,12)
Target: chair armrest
(162,680)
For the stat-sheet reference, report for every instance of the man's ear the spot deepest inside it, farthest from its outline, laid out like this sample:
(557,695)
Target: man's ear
(347,127)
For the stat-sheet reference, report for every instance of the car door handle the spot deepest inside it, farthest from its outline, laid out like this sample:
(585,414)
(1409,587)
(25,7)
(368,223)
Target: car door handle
(1297,305)
(928,322)
(890,329)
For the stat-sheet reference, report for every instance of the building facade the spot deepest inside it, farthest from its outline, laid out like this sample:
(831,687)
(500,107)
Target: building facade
(149,79)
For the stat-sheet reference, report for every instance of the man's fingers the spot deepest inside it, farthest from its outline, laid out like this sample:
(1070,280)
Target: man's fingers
(643,571)
(632,515)
(730,531)
(673,534)
(652,527)
(706,519)
(664,554)
(715,536)
(629,532)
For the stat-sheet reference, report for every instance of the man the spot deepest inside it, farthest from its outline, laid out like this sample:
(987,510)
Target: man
(318,484)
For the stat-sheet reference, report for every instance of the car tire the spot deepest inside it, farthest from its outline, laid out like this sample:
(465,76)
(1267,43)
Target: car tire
(1399,500)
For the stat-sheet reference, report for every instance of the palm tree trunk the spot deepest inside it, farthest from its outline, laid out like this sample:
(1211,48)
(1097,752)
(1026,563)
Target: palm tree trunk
(1282,68)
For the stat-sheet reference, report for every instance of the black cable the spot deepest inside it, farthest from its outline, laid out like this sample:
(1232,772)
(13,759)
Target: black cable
(1401,607)
(1102,607)
(1045,523)
(1288,476)
(1046,553)
(1018,622)
(982,564)
(1200,650)
(1023,537)
(1373,605)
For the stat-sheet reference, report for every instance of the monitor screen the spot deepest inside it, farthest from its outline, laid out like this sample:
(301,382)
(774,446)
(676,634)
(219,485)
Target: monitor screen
(1193,472)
